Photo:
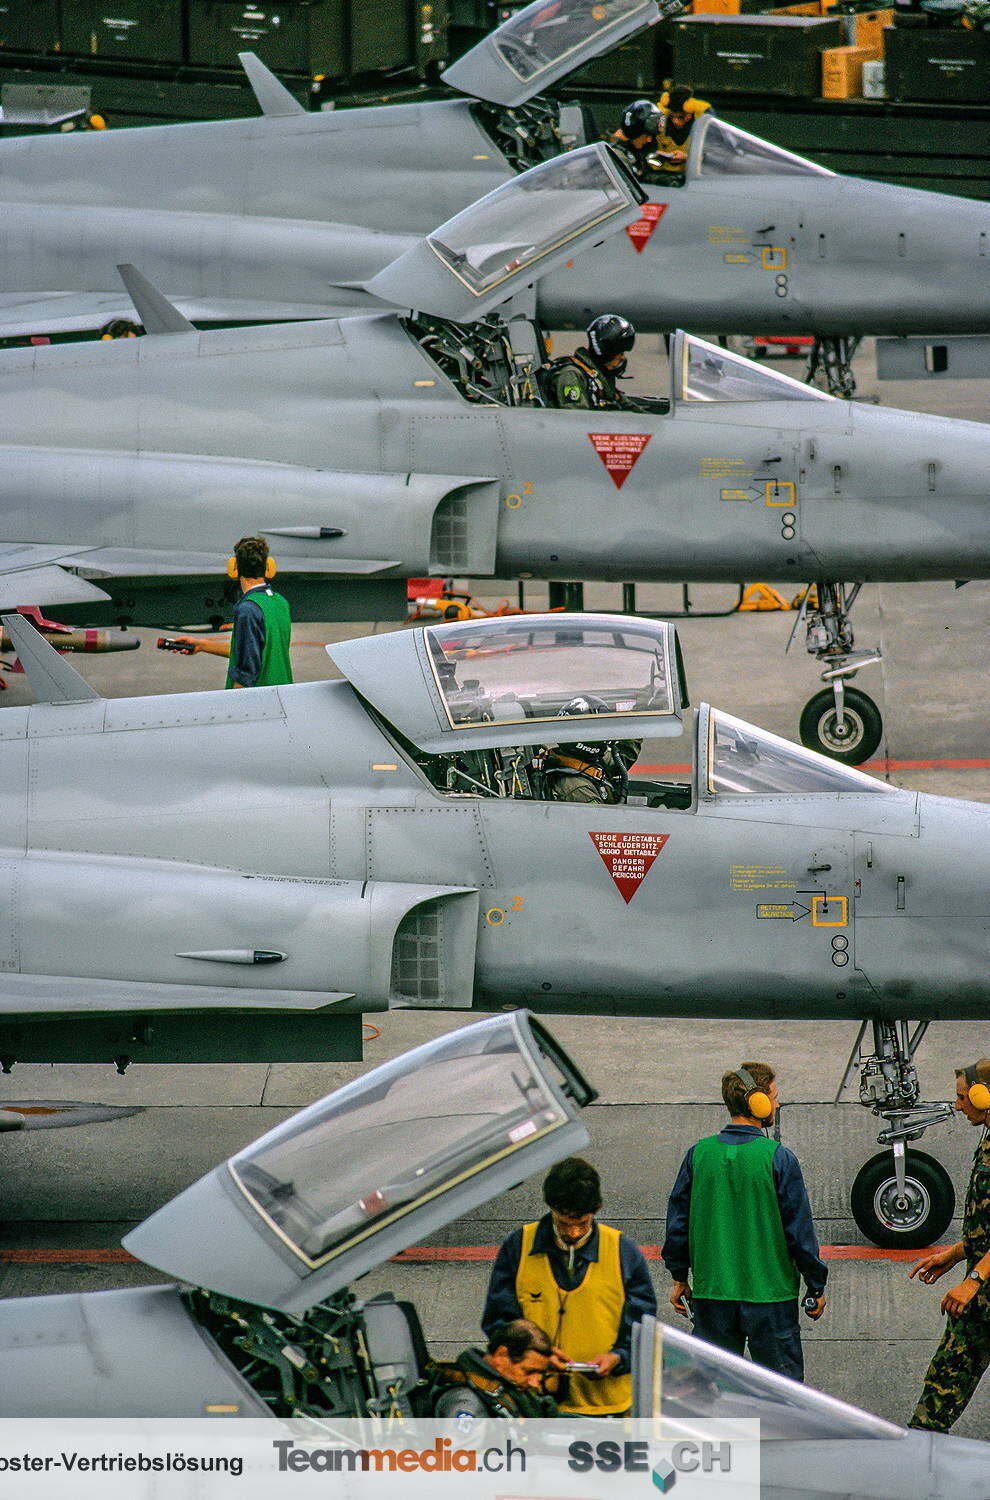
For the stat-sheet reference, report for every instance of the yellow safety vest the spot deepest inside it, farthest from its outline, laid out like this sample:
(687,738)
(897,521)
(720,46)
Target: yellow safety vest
(665,142)
(584,1322)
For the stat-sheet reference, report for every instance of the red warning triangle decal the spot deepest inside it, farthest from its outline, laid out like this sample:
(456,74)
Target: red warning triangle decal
(619,451)
(640,232)
(628,858)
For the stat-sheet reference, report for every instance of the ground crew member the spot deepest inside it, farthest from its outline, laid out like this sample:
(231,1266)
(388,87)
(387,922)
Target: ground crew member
(739,1222)
(636,138)
(504,1380)
(259,645)
(679,110)
(964,1353)
(587,378)
(583,1283)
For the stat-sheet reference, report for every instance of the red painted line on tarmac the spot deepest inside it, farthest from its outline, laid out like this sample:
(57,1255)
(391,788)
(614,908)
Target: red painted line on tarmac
(111,1255)
(420,1255)
(964,764)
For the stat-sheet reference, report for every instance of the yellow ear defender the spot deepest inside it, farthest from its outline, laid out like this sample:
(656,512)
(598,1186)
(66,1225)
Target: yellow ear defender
(979,1093)
(270,568)
(757,1102)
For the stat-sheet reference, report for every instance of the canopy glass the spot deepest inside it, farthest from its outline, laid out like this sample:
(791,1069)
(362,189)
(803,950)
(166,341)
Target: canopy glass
(743,761)
(514,671)
(709,374)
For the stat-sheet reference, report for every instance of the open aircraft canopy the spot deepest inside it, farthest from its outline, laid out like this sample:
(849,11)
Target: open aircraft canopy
(523,229)
(371,1169)
(542,43)
(511,680)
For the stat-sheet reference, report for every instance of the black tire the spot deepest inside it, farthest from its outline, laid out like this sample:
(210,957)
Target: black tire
(863,732)
(452,612)
(926,1212)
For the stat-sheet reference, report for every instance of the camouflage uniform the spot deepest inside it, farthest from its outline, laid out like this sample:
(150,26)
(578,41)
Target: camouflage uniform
(964,1353)
(579,380)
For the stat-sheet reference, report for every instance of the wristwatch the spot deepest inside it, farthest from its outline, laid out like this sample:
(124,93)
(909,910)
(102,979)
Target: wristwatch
(975,1275)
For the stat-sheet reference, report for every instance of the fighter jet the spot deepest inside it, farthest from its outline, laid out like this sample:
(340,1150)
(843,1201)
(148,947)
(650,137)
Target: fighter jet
(381,447)
(276,217)
(263,1325)
(224,876)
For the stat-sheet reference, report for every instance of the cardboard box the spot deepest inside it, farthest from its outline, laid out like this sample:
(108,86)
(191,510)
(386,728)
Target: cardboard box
(715,7)
(868,28)
(810,8)
(842,71)
(874,86)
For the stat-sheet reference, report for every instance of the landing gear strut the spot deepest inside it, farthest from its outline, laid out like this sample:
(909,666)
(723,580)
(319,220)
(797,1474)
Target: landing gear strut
(899,1198)
(830,366)
(840,721)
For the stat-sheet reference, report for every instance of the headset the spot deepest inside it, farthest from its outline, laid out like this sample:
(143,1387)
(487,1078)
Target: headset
(270,568)
(979,1093)
(759,1103)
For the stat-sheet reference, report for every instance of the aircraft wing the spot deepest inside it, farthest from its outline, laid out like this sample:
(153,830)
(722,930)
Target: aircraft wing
(46,575)
(31,574)
(41,314)
(50,994)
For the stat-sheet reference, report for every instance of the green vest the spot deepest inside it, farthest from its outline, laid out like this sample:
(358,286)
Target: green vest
(276,667)
(736,1238)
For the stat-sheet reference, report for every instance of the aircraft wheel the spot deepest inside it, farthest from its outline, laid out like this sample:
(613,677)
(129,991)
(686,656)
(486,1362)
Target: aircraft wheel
(912,1222)
(857,738)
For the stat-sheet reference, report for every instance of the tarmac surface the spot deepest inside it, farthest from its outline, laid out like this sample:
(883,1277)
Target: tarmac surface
(67,1196)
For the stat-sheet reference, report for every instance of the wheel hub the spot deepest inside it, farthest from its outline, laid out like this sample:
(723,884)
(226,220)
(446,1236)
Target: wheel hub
(842,735)
(901,1212)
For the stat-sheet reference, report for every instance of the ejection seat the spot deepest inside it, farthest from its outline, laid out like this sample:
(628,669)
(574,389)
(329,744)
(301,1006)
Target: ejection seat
(396,1348)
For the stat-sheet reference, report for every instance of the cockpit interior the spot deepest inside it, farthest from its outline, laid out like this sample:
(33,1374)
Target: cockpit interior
(492,362)
(557,709)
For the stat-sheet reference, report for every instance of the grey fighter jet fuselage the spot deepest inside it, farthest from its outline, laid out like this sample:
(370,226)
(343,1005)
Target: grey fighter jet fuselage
(351,427)
(218,876)
(378,448)
(277,217)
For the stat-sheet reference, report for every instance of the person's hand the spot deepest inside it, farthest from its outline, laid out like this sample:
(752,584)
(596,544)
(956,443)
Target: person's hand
(680,1298)
(931,1267)
(558,1359)
(605,1363)
(814,1313)
(677,156)
(958,1298)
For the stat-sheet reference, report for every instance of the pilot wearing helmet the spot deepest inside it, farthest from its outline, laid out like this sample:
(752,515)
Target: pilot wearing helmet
(587,378)
(588,770)
(636,139)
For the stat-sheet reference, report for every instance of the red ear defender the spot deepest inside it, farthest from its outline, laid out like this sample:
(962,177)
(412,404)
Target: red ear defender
(757,1102)
(232,567)
(270,568)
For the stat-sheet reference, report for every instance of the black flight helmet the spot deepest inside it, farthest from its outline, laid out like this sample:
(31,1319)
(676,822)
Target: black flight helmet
(610,335)
(641,118)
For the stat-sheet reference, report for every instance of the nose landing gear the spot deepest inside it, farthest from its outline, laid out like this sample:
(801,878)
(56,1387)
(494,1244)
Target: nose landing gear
(899,1198)
(840,721)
